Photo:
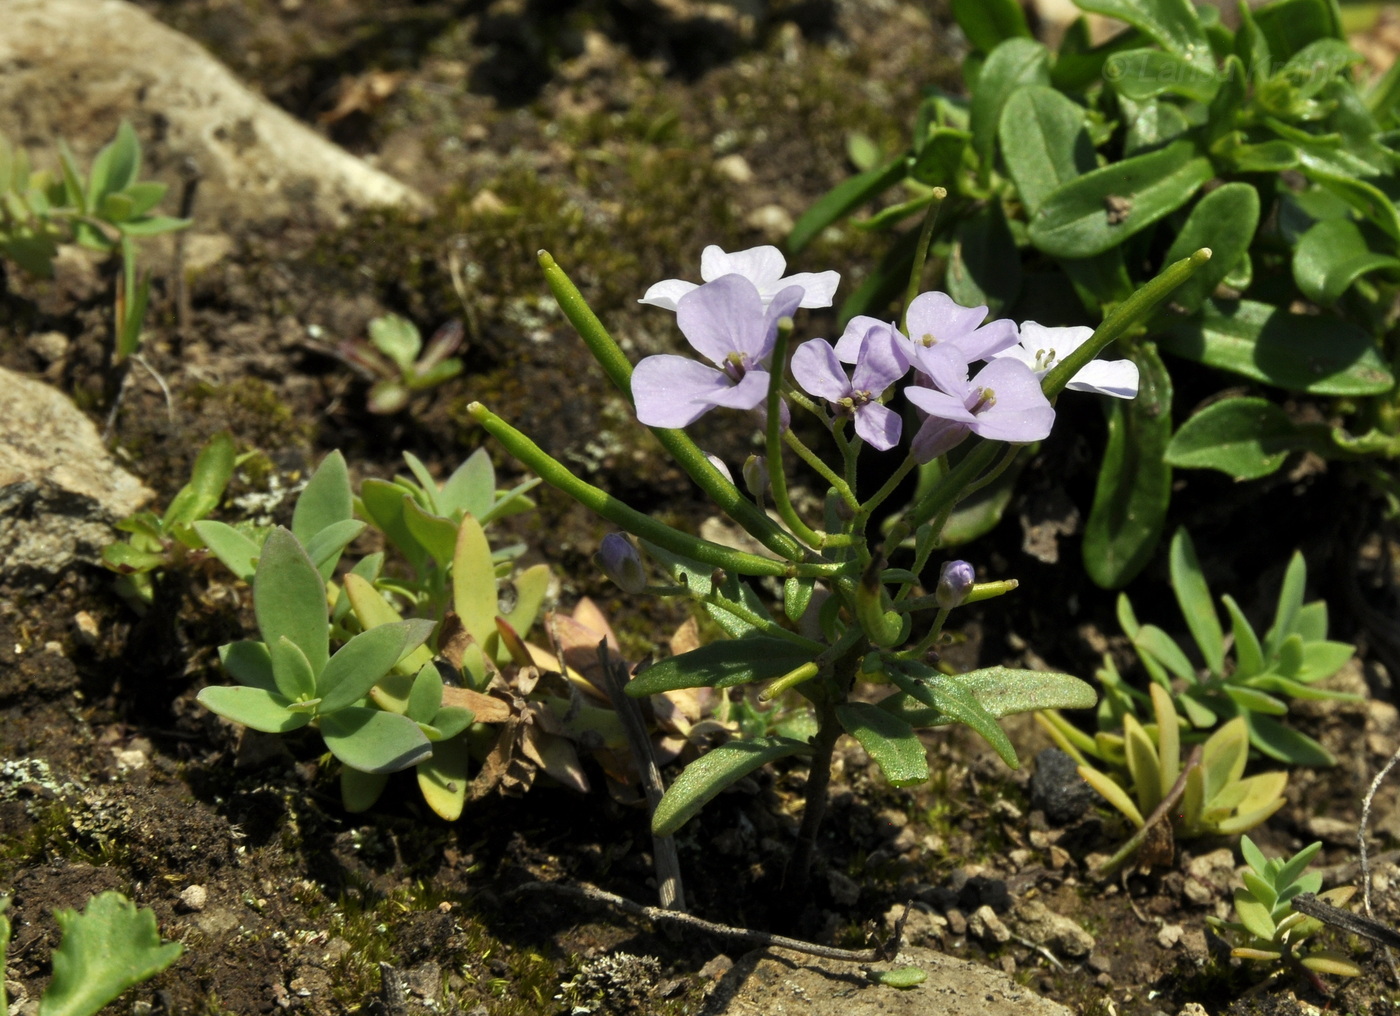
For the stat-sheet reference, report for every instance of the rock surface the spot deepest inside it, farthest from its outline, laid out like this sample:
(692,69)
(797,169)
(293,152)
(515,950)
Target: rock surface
(776,982)
(75,68)
(60,491)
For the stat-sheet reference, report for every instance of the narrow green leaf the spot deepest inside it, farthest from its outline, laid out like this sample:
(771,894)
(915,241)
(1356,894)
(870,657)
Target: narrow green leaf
(988,23)
(152,225)
(211,473)
(531,588)
(1253,700)
(324,549)
(374,741)
(1102,208)
(359,664)
(471,489)
(108,948)
(1224,220)
(703,780)
(326,499)
(1286,744)
(474,584)
(383,504)
(291,670)
(1142,765)
(1318,354)
(1259,889)
(722,664)
(1294,866)
(289,598)
(1243,437)
(1193,596)
(1112,793)
(887,739)
(1134,485)
(436,534)
(1249,655)
(1254,915)
(250,663)
(253,707)
(1290,601)
(844,198)
(1254,857)
(1043,142)
(238,553)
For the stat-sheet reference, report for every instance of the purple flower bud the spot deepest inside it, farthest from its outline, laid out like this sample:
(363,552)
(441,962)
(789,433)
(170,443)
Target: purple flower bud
(618,559)
(954,583)
(756,475)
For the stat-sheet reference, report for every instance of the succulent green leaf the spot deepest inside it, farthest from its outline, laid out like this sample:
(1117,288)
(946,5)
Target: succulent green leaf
(451,721)
(326,546)
(125,558)
(359,664)
(443,778)
(703,780)
(397,338)
(1224,220)
(512,502)
(1223,757)
(887,739)
(106,949)
(1142,74)
(383,504)
(1142,764)
(471,489)
(722,664)
(238,553)
(1322,660)
(1015,63)
(152,225)
(1293,868)
(1193,596)
(1168,739)
(253,707)
(1327,961)
(1244,437)
(1318,354)
(291,670)
(1163,648)
(1290,602)
(797,596)
(325,501)
(474,584)
(1254,857)
(1254,700)
(1286,744)
(1249,655)
(941,158)
(531,588)
(1259,889)
(1254,915)
(425,699)
(1112,793)
(1310,622)
(250,663)
(437,535)
(289,598)
(374,741)
(1172,24)
(1134,484)
(359,791)
(1332,255)
(1104,207)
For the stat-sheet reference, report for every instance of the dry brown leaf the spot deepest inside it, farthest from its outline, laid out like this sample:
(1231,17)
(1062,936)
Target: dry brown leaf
(487,708)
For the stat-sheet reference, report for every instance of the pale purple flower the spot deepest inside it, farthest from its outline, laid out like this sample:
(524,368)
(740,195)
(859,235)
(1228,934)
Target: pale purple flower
(934,319)
(1002,403)
(725,321)
(763,266)
(955,581)
(818,370)
(1041,348)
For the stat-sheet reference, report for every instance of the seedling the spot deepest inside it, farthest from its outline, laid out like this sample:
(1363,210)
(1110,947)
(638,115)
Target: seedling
(394,356)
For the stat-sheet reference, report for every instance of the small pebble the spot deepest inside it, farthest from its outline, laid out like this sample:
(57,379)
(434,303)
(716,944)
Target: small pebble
(194,897)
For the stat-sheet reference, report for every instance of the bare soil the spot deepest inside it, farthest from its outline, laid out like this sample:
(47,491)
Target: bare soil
(606,132)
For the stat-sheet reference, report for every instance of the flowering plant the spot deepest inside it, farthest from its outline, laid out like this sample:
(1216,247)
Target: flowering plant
(862,618)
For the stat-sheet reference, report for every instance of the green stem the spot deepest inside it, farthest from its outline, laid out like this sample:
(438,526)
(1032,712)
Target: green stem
(777,480)
(916,272)
(556,474)
(808,456)
(685,451)
(1122,319)
(884,492)
(930,637)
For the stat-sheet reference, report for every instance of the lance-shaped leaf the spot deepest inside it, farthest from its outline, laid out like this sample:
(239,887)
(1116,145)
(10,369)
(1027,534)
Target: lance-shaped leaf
(383,504)
(1246,438)
(1044,142)
(326,499)
(1332,255)
(436,534)
(1134,485)
(887,739)
(938,691)
(1001,691)
(253,707)
(703,780)
(374,741)
(108,948)
(988,23)
(1318,354)
(1224,220)
(359,664)
(1101,209)
(289,598)
(1193,596)
(207,482)
(238,553)
(722,664)
(1014,64)
(474,584)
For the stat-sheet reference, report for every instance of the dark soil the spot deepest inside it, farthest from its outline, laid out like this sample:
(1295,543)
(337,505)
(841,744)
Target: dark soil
(592,129)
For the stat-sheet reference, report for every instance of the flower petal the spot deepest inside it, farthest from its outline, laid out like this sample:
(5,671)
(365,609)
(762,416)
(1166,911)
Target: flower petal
(763,266)
(935,317)
(819,372)
(939,404)
(722,317)
(749,393)
(673,391)
(945,366)
(879,426)
(880,363)
(666,294)
(987,341)
(818,288)
(1118,378)
(1021,412)
(936,437)
(1053,343)
(857,329)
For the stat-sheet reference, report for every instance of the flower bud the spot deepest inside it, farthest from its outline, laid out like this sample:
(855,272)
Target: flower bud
(756,475)
(954,583)
(619,560)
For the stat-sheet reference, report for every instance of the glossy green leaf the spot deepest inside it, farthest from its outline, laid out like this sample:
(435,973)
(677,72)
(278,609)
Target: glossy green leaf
(1102,208)
(1013,65)
(887,739)
(1245,438)
(1290,25)
(1223,757)
(359,664)
(253,707)
(374,741)
(989,23)
(1172,24)
(1193,596)
(985,267)
(1142,74)
(250,663)
(1134,485)
(325,500)
(1155,125)
(106,949)
(1314,353)
(1264,157)
(842,199)
(1224,220)
(1331,256)
(1043,142)
(704,779)
(722,664)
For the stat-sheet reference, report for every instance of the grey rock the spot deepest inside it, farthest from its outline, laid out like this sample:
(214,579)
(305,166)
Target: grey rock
(1057,789)
(1036,922)
(60,491)
(775,981)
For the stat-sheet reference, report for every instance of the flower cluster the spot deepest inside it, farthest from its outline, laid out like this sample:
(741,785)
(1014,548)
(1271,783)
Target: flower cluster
(733,319)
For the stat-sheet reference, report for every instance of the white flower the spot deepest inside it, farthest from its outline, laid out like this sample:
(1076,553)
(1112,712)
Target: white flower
(763,266)
(1041,348)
